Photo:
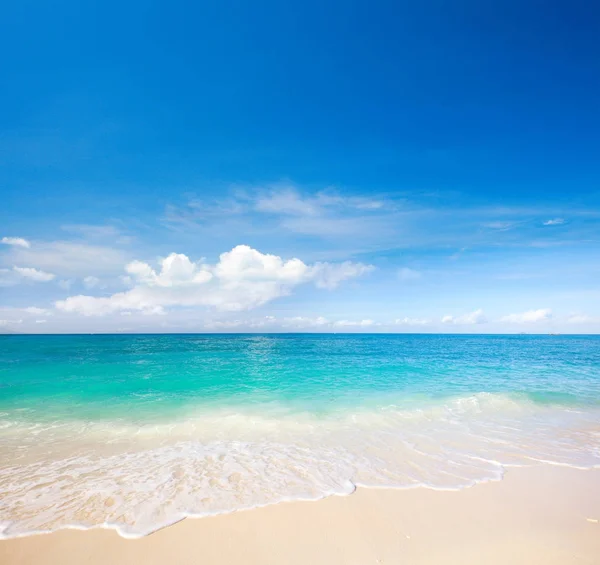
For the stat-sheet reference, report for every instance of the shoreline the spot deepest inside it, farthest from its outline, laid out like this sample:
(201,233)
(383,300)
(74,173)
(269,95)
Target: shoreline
(543,514)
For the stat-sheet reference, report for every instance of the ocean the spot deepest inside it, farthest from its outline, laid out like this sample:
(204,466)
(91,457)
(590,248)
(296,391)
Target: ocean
(136,432)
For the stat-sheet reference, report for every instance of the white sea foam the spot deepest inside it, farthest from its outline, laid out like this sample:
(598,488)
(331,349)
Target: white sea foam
(137,479)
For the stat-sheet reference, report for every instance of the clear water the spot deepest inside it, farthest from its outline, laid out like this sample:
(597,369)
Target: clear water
(137,432)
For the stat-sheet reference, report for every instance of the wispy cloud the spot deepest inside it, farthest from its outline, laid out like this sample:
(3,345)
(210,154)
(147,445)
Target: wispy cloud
(91,282)
(500,225)
(259,323)
(319,323)
(17,275)
(90,230)
(197,213)
(354,323)
(363,224)
(18,241)
(4,323)
(580,319)
(283,208)
(37,311)
(34,274)
(554,222)
(66,284)
(289,200)
(406,321)
(406,274)
(475,317)
(300,322)
(529,316)
(67,258)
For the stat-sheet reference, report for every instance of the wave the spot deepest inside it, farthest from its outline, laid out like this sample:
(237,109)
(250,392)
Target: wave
(138,479)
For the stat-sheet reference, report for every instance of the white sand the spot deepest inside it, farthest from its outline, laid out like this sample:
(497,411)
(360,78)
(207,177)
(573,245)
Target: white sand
(543,515)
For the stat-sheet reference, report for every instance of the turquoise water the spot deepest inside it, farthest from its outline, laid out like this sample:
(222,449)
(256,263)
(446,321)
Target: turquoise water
(136,432)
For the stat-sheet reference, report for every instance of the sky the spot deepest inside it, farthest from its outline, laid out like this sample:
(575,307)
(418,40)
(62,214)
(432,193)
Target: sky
(300,167)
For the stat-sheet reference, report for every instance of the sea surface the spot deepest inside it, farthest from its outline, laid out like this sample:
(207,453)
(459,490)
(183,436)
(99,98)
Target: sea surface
(136,432)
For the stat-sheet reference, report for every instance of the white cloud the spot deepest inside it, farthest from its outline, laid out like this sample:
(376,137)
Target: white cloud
(295,322)
(18,241)
(197,213)
(89,230)
(366,204)
(287,200)
(406,274)
(231,324)
(318,323)
(330,226)
(406,321)
(351,323)
(325,214)
(330,275)
(9,322)
(91,282)
(475,317)
(530,316)
(305,322)
(41,321)
(226,324)
(154,311)
(33,274)
(37,311)
(17,275)
(242,279)
(68,259)
(499,225)
(579,319)
(554,222)
(352,225)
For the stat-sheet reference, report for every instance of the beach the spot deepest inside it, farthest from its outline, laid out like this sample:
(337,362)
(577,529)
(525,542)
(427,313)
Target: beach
(299,449)
(545,514)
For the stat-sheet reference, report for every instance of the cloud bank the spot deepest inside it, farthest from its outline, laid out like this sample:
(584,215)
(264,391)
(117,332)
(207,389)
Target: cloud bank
(476,317)
(530,316)
(242,279)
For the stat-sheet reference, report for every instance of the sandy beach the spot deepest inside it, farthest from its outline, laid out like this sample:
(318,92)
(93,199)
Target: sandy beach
(546,515)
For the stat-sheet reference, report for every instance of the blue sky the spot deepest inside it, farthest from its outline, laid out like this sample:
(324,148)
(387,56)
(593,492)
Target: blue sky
(431,167)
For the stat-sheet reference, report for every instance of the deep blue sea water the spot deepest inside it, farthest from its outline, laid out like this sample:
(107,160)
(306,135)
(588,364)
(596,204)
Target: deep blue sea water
(137,431)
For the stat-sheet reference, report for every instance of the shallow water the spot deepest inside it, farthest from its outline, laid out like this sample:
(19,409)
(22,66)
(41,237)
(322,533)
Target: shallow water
(136,432)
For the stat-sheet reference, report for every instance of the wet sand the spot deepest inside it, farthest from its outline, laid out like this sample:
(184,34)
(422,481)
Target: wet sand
(541,515)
